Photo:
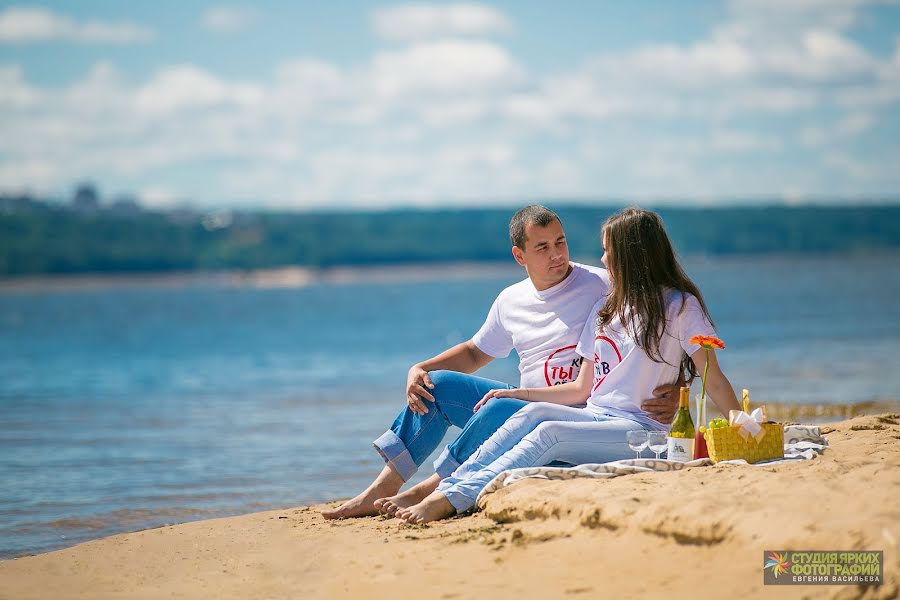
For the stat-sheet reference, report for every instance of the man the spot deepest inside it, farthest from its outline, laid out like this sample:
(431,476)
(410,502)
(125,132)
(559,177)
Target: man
(541,318)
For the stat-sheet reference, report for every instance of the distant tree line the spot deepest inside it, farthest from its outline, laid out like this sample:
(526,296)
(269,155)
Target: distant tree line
(46,239)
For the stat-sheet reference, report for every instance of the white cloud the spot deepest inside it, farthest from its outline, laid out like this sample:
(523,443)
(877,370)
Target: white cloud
(305,88)
(103,93)
(851,125)
(668,169)
(15,93)
(311,75)
(188,87)
(816,55)
(848,165)
(451,118)
(766,57)
(227,19)
(360,176)
(423,21)
(698,64)
(158,197)
(743,141)
(28,174)
(855,124)
(444,66)
(808,56)
(834,14)
(868,95)
(21,25)
(563,175)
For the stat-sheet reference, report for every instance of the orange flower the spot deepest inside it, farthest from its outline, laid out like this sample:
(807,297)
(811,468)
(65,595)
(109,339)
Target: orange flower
(708,341)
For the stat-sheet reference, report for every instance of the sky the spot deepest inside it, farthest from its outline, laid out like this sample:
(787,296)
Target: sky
(356,104)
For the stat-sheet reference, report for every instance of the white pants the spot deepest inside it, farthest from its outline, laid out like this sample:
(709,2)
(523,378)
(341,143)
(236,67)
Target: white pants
(537,435)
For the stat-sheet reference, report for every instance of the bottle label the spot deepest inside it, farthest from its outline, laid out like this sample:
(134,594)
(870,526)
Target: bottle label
(680,449)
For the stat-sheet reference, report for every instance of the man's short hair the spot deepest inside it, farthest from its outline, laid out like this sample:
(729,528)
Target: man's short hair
(530,215)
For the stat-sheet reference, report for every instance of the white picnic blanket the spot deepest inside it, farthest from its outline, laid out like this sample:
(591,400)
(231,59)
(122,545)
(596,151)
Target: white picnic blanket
(801,442)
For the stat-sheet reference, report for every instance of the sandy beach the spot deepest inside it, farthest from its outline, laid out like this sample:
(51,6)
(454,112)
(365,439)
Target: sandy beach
(700,533)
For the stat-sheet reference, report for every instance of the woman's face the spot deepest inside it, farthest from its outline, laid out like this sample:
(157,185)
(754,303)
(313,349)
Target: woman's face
(605,258)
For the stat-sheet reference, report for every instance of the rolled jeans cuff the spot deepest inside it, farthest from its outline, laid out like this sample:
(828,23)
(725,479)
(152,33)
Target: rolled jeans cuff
(460,501)
(445,464)
(394,452)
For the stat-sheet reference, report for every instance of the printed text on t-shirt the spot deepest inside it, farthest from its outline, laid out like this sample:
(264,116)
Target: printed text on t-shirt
(562,366)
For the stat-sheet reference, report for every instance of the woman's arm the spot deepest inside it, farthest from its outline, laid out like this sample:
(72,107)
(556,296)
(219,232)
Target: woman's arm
(717,385)
(570,394)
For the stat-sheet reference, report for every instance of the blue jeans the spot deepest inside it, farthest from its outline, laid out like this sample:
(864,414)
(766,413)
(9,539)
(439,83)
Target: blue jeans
(539,434)
(413,437)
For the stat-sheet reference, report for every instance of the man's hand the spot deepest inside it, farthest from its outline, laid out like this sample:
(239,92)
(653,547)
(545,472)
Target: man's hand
(664,404)
(417,385)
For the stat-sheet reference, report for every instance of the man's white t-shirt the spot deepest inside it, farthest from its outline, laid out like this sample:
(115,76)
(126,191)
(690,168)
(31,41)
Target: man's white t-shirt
(543,326)
(624,374)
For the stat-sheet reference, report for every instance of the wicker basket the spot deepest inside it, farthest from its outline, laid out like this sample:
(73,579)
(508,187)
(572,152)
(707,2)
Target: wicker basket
(725,443)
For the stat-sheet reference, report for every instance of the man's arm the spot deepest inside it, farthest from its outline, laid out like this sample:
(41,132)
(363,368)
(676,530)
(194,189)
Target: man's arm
(463,358)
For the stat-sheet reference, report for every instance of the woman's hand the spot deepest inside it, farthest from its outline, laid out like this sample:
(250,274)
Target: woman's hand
(520,393)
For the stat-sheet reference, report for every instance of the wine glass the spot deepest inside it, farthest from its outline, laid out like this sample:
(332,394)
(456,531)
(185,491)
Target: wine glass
(657,442)
(637,441)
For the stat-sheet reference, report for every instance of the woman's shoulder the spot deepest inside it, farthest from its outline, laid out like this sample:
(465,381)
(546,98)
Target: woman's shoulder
(677,301)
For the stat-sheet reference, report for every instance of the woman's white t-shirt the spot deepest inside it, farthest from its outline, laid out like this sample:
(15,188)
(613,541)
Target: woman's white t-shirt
(624,374)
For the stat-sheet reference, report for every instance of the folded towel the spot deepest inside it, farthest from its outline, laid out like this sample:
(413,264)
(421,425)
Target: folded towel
(801,442)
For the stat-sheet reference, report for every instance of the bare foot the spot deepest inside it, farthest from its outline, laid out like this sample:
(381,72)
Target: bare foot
(410,497)
(433,508)
(363,505)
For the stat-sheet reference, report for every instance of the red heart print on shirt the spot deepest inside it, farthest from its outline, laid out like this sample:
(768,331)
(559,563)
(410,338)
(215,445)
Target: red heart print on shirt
(604,360)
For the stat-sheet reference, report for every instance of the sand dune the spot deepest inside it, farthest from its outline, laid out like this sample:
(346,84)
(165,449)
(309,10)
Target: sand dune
(701,531)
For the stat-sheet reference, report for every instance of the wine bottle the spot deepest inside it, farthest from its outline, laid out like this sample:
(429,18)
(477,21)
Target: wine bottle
(681,435)
(745,405)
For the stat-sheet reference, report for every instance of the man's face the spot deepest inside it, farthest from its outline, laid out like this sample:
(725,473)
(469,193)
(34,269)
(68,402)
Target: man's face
(546,254)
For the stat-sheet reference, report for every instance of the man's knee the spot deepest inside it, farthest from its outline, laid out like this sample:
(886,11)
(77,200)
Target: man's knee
(439,378)
(451,392)
(445,382)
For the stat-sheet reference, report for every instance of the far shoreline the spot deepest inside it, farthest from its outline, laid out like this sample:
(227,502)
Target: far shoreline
(281,277)
(297,276)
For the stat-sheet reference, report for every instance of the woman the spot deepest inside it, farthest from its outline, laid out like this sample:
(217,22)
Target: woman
(638,340)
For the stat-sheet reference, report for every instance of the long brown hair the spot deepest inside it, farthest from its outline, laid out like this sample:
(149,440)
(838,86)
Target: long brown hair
(642,265)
